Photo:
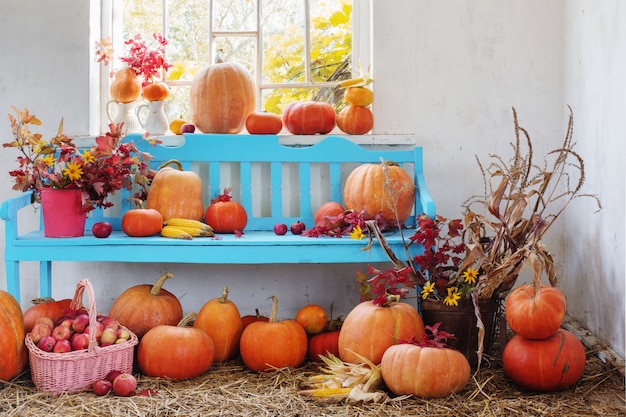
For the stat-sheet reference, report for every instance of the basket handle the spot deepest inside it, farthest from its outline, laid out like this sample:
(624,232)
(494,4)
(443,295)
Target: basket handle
(93,315)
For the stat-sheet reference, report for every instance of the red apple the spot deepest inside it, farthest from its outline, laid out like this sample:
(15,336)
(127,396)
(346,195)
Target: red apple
(188,128)
(102,387)
(61,333)
(123,334)
(80,323)
(39,331)
(47,343)
(62,346)
(280,229)
(99,329)
(124,385)
(112,375)
(66,323)
(80,341)
(297,228)
(101,229)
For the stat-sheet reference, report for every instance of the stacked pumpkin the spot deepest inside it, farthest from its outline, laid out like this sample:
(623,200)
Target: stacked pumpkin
(541,356)
(356,118)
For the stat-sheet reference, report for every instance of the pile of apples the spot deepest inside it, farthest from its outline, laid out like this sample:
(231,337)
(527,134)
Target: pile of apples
(71,332)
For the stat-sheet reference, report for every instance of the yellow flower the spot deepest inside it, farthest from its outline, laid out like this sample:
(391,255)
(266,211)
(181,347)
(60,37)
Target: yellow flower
(49,160)
(88,157)
(470,275)
(357,233)
(73,171)
(428,288)
(453,297)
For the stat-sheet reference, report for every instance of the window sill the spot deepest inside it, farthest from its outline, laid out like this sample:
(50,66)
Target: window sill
(298,140)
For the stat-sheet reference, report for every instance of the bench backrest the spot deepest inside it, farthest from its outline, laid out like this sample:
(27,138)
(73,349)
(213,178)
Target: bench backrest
(277,183)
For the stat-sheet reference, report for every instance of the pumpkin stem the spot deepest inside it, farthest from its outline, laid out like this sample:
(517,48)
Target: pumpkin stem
(274,313)
(218,56)
(156,288)
(388,163)
(224,296)
(176,162)
(187,318)
(42,300)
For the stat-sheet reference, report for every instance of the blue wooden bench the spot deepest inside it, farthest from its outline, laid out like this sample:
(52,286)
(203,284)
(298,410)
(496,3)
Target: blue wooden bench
(275,184)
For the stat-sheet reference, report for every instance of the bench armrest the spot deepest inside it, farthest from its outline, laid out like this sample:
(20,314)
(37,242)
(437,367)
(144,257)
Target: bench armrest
(9,210)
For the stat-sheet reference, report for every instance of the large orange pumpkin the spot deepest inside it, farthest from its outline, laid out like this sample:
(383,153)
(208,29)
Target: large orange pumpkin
(370,329)
(126,86)
(378,188)
(427,372)
(177,352)
(220,319)
(222,96)
(13,353)
(267,346)
(535,314)
(176,193)
(309,117)
(54,310)
(355,120)
(553,364)
(145,306)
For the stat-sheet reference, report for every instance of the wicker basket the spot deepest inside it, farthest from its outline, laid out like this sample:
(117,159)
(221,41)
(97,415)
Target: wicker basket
(78,370)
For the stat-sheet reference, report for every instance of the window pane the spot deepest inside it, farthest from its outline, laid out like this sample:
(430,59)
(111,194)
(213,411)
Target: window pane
(283,41)
(142,17)
(187,33)
(238,49)
(331,37)
(239,15)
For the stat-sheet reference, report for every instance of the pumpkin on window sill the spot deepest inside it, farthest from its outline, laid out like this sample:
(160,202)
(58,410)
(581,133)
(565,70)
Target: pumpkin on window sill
(156,91)
(126,86)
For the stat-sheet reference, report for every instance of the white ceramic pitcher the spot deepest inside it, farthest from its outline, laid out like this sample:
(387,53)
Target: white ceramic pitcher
(155,121)
(124,112)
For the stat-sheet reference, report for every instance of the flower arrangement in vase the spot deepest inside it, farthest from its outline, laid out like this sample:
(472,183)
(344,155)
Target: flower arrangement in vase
(108,166)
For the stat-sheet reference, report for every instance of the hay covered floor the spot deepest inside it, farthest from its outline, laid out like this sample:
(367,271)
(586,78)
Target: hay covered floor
(229,389)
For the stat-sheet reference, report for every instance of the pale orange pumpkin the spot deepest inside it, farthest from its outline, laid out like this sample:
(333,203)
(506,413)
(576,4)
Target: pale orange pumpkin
(427,372)
(369,330)
(221,98)
(220,319)
(355,120)
(374,187)
(176,193)
(359,96)
(126,86)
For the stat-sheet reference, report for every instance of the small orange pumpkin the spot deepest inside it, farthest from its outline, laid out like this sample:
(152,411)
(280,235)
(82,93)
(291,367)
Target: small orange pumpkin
(367,188)
(222,96)
(220,319)
(313,318)
(126,86)
(264,123)
(156,91)
(359,96)
(225,215)
(535,313)
(14,352)
(267,346)
(177,352)
(142,307)
(142,222)
(176,193)
(355,120)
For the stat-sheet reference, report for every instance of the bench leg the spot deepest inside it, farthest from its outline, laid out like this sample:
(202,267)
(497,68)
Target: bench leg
(13,279)
(45,279)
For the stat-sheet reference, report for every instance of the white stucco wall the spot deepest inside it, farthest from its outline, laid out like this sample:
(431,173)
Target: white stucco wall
(445,70)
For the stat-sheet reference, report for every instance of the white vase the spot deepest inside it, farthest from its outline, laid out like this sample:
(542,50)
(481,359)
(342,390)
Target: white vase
(155,120)
(124,112)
